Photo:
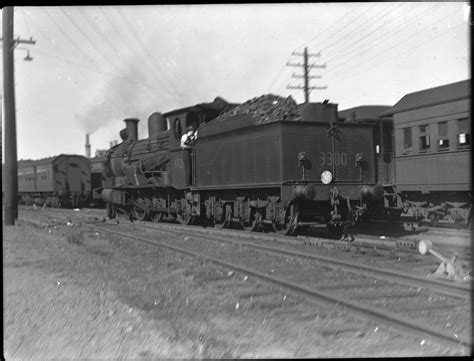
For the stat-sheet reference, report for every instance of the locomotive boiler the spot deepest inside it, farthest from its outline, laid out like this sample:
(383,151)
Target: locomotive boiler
(266,163)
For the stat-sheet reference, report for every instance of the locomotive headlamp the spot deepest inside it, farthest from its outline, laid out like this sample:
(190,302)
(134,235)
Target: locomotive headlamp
(326,177)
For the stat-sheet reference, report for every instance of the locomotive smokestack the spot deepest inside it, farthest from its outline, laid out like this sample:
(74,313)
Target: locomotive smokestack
(88,147)
(132,128)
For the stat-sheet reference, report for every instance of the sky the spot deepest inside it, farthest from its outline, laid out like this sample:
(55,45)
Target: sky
(94,66)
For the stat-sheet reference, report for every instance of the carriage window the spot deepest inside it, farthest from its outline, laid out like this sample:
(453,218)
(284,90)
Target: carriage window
(406,140)
(424,138)
(443,141)
(464,136)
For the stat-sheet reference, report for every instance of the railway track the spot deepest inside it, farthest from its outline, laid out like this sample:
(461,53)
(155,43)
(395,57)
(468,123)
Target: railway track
(423,308)
(450,244)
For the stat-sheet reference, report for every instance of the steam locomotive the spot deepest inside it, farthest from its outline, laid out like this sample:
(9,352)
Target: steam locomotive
(266,163)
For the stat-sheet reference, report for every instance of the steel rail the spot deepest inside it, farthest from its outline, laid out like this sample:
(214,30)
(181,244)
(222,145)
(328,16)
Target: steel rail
(445,288)
(414,328)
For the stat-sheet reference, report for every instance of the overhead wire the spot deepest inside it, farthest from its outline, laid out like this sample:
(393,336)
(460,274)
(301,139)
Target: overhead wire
(349,29)
(347,61)
(66,35)
(417,45)
(81,66)
(138,41)
(276,77)
(353,41)
(151,69)
(346,14)
(383,35)
(147,89)
(114,50)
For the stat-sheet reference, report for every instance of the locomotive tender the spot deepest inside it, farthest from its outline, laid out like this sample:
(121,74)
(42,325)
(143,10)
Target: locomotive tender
(285,168)
(62,180)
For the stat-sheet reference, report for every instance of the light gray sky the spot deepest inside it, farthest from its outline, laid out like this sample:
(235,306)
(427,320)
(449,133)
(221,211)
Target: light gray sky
(94,66)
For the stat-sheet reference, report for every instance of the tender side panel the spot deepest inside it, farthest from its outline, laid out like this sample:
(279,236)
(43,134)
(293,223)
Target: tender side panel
(336,154)
(355,143)
(245,157)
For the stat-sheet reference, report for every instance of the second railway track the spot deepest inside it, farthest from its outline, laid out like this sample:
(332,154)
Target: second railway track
(418,306)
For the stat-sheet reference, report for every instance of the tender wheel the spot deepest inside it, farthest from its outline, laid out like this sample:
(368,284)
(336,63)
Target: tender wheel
(286,227)
(224,220)
(254,222)
(141,214)
(111,213)
(158,217)
(336,230)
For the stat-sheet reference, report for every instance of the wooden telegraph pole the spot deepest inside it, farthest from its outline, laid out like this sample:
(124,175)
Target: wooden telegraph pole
(306,77)
(11,165)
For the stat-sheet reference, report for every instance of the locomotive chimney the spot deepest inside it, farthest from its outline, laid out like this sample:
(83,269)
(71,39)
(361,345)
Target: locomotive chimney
(88,146)
(132,128)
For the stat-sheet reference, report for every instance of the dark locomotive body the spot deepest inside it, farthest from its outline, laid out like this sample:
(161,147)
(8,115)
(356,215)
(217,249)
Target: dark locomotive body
(244,168)
(60,181)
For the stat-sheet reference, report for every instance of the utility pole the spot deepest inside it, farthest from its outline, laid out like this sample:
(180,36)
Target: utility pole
(306,69)
(11,162)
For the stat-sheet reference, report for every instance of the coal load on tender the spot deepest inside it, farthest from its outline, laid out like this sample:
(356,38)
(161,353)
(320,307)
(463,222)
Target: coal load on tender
(265,109)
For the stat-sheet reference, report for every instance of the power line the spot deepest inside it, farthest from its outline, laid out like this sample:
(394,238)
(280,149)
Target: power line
(340,43)
(318,36)
(370,66)
(348,60)
(153,71)
(78,48)
(98,71)
(139,43)
(95,47)
(276,77)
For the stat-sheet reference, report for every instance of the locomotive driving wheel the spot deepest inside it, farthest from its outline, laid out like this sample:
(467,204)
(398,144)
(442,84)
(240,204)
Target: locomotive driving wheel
(184,215)
(253,224)
(335,229)
(111,213)
(141,212)
(223,220)
(157,217)
(286,227)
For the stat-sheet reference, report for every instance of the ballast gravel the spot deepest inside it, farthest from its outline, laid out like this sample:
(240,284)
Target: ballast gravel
(79,294)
